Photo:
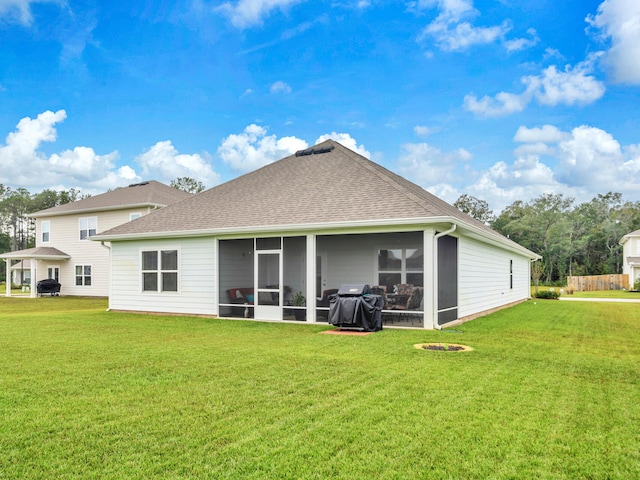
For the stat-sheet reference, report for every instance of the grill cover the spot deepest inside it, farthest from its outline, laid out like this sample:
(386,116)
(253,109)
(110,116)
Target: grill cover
(50,285)
(353,309)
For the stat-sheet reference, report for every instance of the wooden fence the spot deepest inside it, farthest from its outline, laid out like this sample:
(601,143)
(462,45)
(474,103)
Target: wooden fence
(594,283)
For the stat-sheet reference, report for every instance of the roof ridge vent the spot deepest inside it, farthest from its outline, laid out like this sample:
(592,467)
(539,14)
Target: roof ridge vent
(139,184)
(314,151)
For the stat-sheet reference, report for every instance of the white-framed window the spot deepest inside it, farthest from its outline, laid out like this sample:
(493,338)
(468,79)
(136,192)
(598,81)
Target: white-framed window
(134,215)
(45,226)
(88,227)
(511,274)
(400,265)
(83,275)
(159,270)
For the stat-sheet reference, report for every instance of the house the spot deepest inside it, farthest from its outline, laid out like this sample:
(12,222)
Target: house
(631,256)
(63,248)
(300,228)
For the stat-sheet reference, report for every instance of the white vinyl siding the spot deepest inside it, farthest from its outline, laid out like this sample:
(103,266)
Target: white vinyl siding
(484,278)
(196,272)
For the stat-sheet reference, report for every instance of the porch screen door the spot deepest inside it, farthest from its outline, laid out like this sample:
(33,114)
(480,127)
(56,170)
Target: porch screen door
(268,301)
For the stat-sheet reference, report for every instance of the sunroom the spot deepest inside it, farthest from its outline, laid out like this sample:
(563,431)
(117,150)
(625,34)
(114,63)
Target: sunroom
(272,278)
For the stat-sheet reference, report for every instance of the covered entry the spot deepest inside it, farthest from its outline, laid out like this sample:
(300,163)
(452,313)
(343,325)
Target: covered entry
(36,257)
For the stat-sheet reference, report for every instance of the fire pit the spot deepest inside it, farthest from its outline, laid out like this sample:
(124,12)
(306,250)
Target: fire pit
(443,347)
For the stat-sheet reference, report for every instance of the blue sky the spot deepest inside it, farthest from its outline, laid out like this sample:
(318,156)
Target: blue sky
(503,100)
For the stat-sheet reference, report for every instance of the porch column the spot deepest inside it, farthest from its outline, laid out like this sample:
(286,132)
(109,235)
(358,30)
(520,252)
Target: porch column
(430,262)
(311,278)
(33,287)
(8,277)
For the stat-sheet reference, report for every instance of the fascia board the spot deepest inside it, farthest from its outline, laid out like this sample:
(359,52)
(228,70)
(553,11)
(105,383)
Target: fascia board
(96,210)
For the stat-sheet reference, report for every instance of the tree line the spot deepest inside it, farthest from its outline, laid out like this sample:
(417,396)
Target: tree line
(573,238)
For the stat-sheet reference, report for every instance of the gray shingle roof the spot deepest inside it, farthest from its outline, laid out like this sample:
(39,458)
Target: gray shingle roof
(149,193)
(313,189)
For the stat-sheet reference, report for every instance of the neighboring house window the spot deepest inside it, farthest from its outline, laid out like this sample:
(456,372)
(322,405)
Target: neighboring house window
(160,271)
(88,227)
(638,246)
(46,230)
(133,216)
(400,265)
(83,275)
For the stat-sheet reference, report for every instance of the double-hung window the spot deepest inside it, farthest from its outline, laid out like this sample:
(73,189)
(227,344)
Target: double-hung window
(45,226)
(88,227)
(83,275)
(160,271)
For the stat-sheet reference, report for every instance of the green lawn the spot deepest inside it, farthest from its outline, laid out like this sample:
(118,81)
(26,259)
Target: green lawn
(550,391)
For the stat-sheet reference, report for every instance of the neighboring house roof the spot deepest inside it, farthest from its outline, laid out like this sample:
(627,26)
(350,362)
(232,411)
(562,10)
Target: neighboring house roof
(327,185)
(144,194)
(629,235)
(38,253)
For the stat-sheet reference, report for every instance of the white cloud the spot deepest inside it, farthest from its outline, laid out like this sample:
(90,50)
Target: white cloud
(619,21)
(544,134)
(574,85)
(19,10)
(280,87)
(253,148)
(346,140)
(522,43)
(247,13)
(163,162)
(449,30)
(25,165)
(422,131)
(429,166)
(502,104)
(580,163)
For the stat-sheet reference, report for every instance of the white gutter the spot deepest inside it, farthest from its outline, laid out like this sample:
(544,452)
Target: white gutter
(96,209)
(436,325)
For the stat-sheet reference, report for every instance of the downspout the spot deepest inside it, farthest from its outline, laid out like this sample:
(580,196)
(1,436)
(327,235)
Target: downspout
(108,247)
(435,273)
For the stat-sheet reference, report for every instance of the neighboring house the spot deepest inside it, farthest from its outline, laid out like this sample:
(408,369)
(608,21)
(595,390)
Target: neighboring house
(631,256)
(302,227)
(63,248)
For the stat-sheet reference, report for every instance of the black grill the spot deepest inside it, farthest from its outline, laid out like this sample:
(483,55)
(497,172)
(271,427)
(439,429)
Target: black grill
(49,286)
(353,307)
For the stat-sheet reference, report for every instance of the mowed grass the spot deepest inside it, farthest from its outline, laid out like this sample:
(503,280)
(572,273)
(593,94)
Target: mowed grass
(551,390)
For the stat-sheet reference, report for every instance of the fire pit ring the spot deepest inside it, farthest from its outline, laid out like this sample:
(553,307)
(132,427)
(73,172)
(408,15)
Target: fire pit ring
(443,347)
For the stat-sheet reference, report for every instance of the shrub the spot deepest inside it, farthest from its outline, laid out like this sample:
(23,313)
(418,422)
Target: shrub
(636,285)
(548,294)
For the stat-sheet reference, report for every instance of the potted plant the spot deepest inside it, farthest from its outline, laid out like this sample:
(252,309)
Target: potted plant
(298,300)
